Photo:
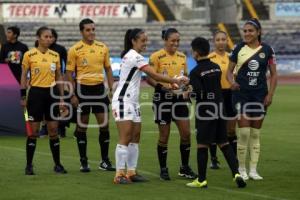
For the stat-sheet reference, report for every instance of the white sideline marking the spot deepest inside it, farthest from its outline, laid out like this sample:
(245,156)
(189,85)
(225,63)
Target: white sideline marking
(155,175)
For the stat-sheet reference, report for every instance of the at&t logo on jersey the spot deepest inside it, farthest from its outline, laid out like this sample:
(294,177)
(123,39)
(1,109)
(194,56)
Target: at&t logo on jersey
(253,65)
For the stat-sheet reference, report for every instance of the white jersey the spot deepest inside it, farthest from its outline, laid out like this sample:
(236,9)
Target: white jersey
(128,89)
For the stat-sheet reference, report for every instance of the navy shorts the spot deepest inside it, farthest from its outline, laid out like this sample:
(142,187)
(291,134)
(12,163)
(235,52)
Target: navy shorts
(249,102)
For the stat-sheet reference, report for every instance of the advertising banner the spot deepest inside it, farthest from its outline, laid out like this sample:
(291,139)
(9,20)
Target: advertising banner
(41,11)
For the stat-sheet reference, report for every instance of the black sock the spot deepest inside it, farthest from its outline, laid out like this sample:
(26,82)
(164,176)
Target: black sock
(233,143)
(213,151)
(162,152)
(230,158)
(30,149)
(202,157)
(54,146)
(185,154)
(104,142)
(82,144)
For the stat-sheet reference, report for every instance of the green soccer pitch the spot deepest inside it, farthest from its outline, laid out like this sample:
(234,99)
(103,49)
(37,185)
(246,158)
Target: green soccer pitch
(279,164)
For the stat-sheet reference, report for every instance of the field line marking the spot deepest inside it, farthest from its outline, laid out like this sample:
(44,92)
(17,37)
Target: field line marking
(154,175)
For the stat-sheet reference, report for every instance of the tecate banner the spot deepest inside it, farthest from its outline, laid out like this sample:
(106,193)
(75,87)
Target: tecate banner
(28,11)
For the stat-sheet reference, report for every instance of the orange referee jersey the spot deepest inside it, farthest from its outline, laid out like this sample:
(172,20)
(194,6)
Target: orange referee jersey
(88,62)
(42,67)
(168,65)
(223,62)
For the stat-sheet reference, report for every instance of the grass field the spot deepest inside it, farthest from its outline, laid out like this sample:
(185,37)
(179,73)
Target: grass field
(279,164)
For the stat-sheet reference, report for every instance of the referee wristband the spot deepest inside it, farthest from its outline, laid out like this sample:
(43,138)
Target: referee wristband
(23,93)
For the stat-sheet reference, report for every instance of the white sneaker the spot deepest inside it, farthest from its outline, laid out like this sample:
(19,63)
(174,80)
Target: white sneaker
(255,176)
(243,174)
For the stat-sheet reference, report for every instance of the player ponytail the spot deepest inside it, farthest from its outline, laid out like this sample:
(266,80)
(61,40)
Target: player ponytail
(131,34)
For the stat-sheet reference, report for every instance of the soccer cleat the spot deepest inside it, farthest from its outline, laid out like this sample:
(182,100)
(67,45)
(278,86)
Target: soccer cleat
(29,170)
(84,165)
(106,165)
(214,163)
(59,169)
(164,174)
(187,172)
(239,181)
(255,176)
(121,180)
(197,184)
(243,174)
(137,178)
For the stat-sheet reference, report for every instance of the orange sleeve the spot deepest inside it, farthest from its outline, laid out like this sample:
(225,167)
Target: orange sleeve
(107,58)
(25,62)
(153,62)
(71,63)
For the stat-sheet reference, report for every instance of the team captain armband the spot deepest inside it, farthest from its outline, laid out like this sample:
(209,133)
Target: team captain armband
(272,60)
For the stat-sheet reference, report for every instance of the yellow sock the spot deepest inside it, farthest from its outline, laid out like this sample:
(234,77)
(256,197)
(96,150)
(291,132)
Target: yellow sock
(243,135)
(254,146)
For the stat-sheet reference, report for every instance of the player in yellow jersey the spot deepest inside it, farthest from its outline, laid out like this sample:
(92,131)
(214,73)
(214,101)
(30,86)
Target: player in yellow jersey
(44,67)
(221,57)
(87,59)
(168,107)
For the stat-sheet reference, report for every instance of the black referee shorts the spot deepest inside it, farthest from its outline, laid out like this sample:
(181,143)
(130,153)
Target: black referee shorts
(93,98)
(211,131)
(40,104)
(228,105)
(167,108)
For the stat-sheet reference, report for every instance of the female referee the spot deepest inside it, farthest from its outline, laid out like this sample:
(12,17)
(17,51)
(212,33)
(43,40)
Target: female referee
(43,65)
(249,62)
(221,57)
(170,63)
(125,104)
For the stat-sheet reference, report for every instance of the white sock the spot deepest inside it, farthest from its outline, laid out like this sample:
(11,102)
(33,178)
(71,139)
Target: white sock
(121,156)
(133,155)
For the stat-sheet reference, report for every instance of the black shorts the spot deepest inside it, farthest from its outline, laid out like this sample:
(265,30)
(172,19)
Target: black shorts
(167,107)
(92,97)
(41,104)
(211,131)
(228,106)
(250,102)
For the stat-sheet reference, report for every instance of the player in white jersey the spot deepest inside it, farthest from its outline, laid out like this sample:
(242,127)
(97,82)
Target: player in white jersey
(125,104)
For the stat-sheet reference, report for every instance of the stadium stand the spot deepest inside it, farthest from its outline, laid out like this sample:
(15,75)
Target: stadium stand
(112,33)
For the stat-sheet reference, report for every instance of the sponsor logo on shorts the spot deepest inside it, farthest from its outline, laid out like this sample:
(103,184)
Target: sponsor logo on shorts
(30,118)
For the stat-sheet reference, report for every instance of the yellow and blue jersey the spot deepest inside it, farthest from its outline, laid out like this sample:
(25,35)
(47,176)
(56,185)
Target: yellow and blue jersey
(251,65)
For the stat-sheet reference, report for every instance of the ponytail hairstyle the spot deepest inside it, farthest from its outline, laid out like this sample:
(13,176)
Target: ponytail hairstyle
(131,34)
(165,34)
(254,22)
